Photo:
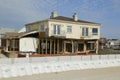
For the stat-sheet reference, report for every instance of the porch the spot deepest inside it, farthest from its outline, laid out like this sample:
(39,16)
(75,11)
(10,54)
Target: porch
(53,45)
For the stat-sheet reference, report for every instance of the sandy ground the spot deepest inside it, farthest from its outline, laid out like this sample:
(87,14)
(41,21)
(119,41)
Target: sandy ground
(91,74)
(2,56)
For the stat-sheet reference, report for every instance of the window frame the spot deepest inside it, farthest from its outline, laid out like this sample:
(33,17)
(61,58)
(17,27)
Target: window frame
(85,31)
(28,29)
(94,31)
(56,29)
(42,27)
(69,29)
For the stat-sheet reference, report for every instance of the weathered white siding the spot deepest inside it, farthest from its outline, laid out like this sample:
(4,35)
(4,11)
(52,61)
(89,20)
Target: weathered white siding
(76,30)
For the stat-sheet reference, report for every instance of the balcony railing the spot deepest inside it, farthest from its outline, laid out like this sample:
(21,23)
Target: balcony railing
(83,36)
(61,34)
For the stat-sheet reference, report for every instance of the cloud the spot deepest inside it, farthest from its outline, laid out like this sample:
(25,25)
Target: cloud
(17,13)
(97,7)
(20,12)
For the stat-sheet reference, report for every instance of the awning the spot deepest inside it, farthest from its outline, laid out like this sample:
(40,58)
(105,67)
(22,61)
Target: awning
(28,33)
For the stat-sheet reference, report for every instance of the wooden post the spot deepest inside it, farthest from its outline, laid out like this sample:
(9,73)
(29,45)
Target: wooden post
(10,44)
(64,47)
(46,46)
(77,48)
(13,44)
(42,46)
(39,44)
(58,46)
(50,46)
(97,46)
(72,46)
(39,47)
(54,46)
(85,48)
(6,45)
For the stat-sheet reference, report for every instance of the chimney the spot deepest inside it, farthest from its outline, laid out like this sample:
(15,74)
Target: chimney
(75,17)
(53,14)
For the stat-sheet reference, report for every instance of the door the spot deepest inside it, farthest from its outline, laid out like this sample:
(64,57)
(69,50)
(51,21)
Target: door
(69,47)
(80,47)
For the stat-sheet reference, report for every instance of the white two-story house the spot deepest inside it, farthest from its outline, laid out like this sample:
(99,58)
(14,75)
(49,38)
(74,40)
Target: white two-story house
(63,35)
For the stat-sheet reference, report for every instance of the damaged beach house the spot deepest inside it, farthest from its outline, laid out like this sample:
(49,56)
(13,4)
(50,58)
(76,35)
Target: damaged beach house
(57,35)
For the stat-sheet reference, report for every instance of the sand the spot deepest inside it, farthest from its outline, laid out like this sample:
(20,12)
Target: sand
(112,73)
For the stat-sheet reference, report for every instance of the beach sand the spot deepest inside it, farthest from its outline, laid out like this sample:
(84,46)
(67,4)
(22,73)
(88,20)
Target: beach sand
(112,73)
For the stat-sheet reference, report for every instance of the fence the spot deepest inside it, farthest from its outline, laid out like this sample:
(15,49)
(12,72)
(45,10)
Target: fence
(13,67)
(58,59)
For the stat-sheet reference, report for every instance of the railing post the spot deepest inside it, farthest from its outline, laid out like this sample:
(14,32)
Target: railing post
(100,57)
(58,58)
(108,56)
(30,60)
(12,60)
(70,58)
(90,57)
(81,57)
(116,56)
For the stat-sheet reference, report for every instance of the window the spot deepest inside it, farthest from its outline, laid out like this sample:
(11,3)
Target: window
(80,47)
(90,46)
(42,28)
(28,29)
(56,29)
(84,31)
(16,43)
(95,31)
(69,29)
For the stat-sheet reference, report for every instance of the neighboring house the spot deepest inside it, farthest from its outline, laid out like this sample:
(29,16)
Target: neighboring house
(102,43)
(3,31)
(113,43)
(22,30)
(63,35)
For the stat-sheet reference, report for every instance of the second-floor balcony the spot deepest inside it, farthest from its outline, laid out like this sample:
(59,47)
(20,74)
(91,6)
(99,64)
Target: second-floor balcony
(89,36)
(58,33)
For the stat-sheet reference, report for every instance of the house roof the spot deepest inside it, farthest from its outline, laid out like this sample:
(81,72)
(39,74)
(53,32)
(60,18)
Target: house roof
(28,33)
(62,18)
(71,19)
(18,35)
(13,35)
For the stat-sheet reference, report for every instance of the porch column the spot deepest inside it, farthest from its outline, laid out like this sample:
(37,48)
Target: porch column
(46,46)
(58,46)
(64,44)
(39,44)
(7,44)
(72,46)
(54,46)
(85,47)
(42,45)
(50,46)
(77,48)
(13,44)
(10,45)
(97,46)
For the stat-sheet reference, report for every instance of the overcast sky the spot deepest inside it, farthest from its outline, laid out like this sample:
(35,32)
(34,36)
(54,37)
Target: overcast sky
(17,13)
